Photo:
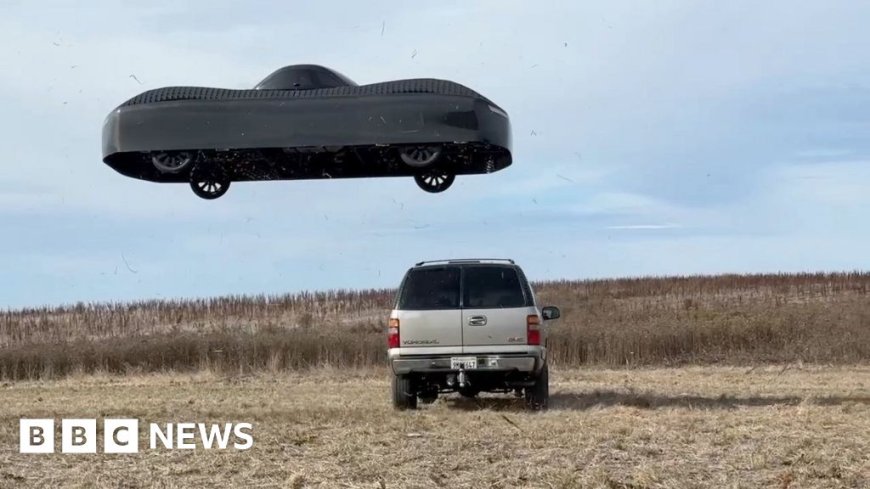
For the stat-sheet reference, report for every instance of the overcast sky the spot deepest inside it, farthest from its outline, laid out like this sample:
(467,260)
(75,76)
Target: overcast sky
(667,137)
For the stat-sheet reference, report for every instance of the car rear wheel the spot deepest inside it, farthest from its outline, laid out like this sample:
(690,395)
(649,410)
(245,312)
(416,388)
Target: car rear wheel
(171,161)
(434,180)
(538,395)
(403,393)
(209,181)
(419,156)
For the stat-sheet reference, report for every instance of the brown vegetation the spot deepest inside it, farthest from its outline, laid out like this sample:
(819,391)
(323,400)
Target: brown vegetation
(815,318)
(691,427)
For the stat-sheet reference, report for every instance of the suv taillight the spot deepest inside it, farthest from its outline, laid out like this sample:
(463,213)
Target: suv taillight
(393,333)
(533,332)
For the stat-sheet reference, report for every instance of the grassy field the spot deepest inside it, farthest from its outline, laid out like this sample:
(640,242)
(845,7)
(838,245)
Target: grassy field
(777,427)
(727,319)
(680,382)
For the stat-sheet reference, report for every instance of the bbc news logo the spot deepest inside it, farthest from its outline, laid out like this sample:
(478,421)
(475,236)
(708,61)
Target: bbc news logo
(122,435)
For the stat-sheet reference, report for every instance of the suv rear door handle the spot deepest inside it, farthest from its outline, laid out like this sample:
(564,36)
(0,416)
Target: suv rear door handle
(477,321)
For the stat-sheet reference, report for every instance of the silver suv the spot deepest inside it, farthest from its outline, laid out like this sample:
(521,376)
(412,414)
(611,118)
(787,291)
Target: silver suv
(468,325)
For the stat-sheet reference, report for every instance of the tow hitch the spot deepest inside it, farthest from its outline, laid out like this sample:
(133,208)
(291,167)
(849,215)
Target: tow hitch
(459,378)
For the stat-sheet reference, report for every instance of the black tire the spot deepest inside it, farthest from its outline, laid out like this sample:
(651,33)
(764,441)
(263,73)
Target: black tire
(434,180)
(403,393)
(209,181)
(420,156)
(172,161)
(538,396)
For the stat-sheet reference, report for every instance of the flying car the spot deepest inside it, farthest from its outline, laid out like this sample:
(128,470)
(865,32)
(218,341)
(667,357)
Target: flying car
(307,122)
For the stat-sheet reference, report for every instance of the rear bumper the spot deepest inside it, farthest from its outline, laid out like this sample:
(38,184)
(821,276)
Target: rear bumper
(529,363)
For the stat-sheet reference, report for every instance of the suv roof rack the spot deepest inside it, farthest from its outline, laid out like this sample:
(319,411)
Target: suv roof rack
(467,260)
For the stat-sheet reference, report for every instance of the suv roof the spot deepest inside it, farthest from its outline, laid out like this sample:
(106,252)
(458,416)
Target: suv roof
(464,261)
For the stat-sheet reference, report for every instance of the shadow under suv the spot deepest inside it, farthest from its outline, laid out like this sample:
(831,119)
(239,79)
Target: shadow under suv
(467,326)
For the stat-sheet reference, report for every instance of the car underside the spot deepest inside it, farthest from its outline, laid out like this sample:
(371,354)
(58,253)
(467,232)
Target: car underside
(432,166)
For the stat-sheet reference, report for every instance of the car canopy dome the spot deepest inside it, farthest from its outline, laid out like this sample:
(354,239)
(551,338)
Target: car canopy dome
(304,77)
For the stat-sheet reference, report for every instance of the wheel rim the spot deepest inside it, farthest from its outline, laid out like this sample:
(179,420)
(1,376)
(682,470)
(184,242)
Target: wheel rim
(435,181)
(210,187)
(171,162)
(420,156)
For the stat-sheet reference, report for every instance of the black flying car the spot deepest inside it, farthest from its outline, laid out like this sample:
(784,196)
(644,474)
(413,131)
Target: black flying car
(307,122)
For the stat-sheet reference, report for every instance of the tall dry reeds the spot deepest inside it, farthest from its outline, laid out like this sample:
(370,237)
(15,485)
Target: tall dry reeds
(636,321)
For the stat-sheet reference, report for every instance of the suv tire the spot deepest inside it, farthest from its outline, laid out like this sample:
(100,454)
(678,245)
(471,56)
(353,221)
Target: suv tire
(403,393)
(538,396)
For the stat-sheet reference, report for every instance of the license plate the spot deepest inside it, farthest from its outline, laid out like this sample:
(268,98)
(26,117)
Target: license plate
(464,363)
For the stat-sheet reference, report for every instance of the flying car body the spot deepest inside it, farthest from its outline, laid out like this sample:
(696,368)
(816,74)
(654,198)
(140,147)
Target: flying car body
(307,122)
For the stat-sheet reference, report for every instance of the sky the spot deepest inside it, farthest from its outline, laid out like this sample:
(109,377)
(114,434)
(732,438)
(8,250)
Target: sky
(649,138)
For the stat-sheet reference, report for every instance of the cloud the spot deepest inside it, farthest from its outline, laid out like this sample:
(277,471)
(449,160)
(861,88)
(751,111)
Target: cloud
(671,137)
(641,227)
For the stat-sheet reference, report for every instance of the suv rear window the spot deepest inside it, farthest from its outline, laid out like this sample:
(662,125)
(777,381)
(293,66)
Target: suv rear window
(492,287)
(431,288)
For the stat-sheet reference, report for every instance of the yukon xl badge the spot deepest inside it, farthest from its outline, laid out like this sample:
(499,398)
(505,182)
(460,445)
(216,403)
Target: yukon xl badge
(420,342)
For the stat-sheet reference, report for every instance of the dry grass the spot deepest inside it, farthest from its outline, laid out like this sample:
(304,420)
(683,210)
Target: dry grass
(797,427)
(732,319)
